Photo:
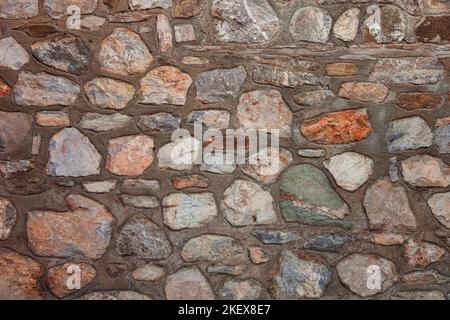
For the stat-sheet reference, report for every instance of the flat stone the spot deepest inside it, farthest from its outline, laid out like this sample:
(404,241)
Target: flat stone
(158,122)
(386,238)
(350,170)
(8,218)
(44,90)
(104,122)
(340,127)
(312,153)
(124,295)
(130,155)
(149,272)
(246,203)
(58,8)
(182,210)
(139,237)
(425,278)
(227,269)
(14,130)
(426,171)
(99,186)
(9,169)
(72,155)
(384,24)
(422,254)
(346,26)
(328,242)
(211,247)
(184,33)
(313,98)
(219,84)
(84,230)
(192,181)
(341,69)
(408,134)
(276,237)
(259,255)
(409,70)
(12,54)
(5,90)
(308,197)
(298,276)
(250,21)
(310,24)
(141,186)
(387,207)
(440,207)
(192,60)
(106,93)
(20,276)
(411,101)
(434,29)
(420,295)
(139,201)
(442,135)
(188,8)
(248,289)
(53,119)
(92,23)
(364,91)
(69,54)
(19,9)
(149,4)
(180,154)
(285,77)
(59,278)
(211,119)
(123,52)
(164,85)
(357,270)
(164,31)
(130,16)
(192,278)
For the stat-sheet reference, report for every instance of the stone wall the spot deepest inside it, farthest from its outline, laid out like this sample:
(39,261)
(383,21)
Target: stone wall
(359,90)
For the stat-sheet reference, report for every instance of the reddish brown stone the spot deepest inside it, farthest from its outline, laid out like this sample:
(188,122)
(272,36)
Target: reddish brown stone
(14,129)
(4,88)
(341,69)
(434,29)
(411,101)
(338,127)
(188,8)
(193,181)
(422,254)
(59,278)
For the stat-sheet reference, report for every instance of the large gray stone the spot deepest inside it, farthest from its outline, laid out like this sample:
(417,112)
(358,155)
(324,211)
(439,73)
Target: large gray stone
(311,24)
(219,84)
(408,134)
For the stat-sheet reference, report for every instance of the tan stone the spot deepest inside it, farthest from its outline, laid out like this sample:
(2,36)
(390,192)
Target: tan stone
(341,69)
(188,284)
(192,181)
(59,278)
(364,91)
(53,119)
(426,171)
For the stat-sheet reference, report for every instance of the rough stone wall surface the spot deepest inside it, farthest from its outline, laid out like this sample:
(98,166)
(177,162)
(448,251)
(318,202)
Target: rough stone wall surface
(359,90)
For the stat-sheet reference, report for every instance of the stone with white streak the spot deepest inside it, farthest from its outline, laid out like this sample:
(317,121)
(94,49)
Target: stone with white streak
(384,24)
(181,154)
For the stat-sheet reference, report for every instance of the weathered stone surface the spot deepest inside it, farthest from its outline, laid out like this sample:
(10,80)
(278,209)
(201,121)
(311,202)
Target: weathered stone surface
(340,127)
(284,77)
(53,118)
(188,8)
(248,289)
(149,272)
(58,278)
(43,90)
(259,255)
(182,210)
(14,130)
(440,207)
(355,272)
(387,207)
(408,134)
(211,119)
(72,155)
(298,276)
(246,203)
(191,60)
(364,91)
(99,186)
(276,237)
(211,247)
(19,276)
(123,52)
(234,270)
(106,93)
(426,171)
(8,218)
(393,169)
(384,24)
(409,70)
(434,29)
(149,4)
(311,24)
(386,238)
(104,122)
(5,90)
(19,9)
(58,8)
(411,101)
(219,84)
(92,23)
(184,33)
(139,201)
(220,163)
(9,169)
(164,30)
(83,230)
(313,98)
(312,153)
(12,54)
(328,242)
(192,278)
(350,169)
(141,186)
(158,122)
(141,238)
(251,21)
(192,181)
(130,155)
(422,254)
(425,278)
(346,26)
(115,295)
(442,135)
(180,154)
(420,295)
(341,69)
(307,197)
(69,54)
(164,85)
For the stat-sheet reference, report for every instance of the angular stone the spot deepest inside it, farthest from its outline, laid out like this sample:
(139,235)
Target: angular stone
(5,90)
(141,238)
(184,33)
(434,29)
(386,238)
(72,155)
(162,122)
(246,203)
(250,21)
(12,54)
(53,118)
(284,77)
(310,24)
(164,85)
(387,207)
(440,207)
(44,90)
(59,278)
(276,237)
(408,134)
(104,122)
(259,255)
(411,101)
(8,218)
(328,242)
(211,247)
(384,24)
(58,8)
(409,70)
(420,295)
(92,23)
(356,270)
(99,186)
(123,52)
(130,155)
(364,91)
(299,276)
(425,278)
(350,169)
(141,186)
(346,26)
(226,269)
(340,127)
(182,210)
(164,31)
(192,278)
(149,272)
(125,295)
(19,9)
(442,136)
(312,153)
(422,254)
(426,171)
(106,93)
(69,54)
(85,229)
(341,69)
(192,181)
(313,98)
(139,201)
(265,110)
(188,8)
(180,154)
(219,84)
(149,4)
(20,276)
(14,130)
(211,119)
(220,163)
(307,197)
(248,289)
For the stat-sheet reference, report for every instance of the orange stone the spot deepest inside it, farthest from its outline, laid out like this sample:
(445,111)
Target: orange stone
(338,127)
(411,101)
(341,69)
(59,278)
(4,88)
(193,181)
(364,91)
